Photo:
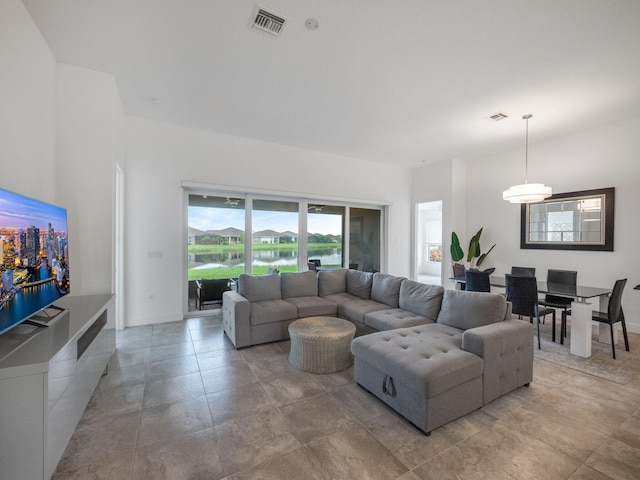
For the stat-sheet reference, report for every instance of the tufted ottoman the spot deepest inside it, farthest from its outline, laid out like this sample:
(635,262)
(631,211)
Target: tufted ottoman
(421,372)
(321,344)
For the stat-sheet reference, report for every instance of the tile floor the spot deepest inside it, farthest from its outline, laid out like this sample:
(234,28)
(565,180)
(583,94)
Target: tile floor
(180,402)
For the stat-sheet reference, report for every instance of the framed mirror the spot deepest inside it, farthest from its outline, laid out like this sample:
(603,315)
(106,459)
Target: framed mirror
(569,221)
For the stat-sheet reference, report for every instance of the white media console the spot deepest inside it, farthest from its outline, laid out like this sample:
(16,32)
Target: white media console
(47,376)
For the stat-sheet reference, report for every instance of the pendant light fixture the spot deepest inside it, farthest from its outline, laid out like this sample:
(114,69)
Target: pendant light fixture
(526,192)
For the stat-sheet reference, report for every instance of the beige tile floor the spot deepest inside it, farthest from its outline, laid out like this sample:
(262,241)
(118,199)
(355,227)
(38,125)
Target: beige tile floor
(180,403)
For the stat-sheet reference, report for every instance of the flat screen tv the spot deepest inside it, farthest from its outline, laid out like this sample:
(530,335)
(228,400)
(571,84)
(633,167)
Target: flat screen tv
(34,257)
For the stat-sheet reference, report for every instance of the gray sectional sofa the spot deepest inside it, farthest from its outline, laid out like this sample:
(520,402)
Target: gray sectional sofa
(262,308)
(430,354)
(436,372)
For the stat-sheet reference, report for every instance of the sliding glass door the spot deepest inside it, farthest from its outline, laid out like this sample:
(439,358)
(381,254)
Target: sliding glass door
(364,239)
(325,226)
(231,235)
(215,237)
(274,226)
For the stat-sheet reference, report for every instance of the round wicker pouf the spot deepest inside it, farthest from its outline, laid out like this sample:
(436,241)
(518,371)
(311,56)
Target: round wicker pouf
(321,344)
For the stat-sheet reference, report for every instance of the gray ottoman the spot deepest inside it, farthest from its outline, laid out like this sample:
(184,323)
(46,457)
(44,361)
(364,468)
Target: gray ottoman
(321,344)
(421,372)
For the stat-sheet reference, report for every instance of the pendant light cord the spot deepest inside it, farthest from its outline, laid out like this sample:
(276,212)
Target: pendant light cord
(526,149)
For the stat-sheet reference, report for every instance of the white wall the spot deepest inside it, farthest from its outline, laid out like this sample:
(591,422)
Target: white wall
(90,140)
(60,135)
(27,105)
(602,157)
(445,181)
(160,156)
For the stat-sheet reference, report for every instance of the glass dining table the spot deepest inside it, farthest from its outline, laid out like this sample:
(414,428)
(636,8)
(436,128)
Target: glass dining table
(584,299)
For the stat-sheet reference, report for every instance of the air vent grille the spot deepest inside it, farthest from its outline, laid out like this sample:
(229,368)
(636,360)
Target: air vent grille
(268,21)
(496,117)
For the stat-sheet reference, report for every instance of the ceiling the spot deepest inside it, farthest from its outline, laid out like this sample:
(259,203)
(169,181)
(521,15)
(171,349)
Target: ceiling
(401,82)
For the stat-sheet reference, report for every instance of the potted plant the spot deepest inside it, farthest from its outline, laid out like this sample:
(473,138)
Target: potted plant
(475,257)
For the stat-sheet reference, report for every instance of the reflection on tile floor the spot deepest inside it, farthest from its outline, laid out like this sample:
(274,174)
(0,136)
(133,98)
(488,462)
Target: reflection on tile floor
(180,402)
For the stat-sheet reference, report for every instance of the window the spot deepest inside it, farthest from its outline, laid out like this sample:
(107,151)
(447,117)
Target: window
(435,253)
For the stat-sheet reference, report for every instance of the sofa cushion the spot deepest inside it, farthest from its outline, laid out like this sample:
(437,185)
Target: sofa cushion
(423,300)
(340,299)
(331,282)
(359,283)
(356,310)
(272,311)
(299,284)
(465,310)
(259,288)
(386,289)
(313,306)
(394,318)
(428,358)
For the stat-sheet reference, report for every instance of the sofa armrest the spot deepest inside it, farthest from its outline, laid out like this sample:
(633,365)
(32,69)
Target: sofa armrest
(507,351)
(236,314)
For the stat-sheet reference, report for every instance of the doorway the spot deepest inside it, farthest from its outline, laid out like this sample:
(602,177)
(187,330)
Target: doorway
(429,242)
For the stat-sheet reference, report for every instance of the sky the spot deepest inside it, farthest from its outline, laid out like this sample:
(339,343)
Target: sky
(211,218)
(17,211)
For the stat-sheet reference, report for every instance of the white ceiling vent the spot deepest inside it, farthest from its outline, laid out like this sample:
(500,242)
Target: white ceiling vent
(267,21)
(496,117)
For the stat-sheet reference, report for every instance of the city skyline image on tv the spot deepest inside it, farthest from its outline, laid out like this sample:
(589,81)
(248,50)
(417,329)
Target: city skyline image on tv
(34,266)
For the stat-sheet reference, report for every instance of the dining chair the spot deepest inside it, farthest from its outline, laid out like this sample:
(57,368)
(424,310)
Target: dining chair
(561,277)
(477,281)
(316,261)
(614,314)
(312,266)
(524,271)
(458,274)
(211,290)
(522,292)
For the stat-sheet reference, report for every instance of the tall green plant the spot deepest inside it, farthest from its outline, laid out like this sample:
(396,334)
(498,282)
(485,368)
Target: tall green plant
(475,257)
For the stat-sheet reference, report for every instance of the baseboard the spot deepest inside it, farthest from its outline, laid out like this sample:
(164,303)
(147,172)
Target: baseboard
(153,319)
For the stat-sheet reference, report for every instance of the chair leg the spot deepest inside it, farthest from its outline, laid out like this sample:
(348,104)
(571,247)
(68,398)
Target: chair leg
(538,323)
(624,333)
(563,327)
(553,328)
(613,343)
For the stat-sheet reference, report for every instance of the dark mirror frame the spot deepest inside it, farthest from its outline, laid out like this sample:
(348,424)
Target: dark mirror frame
(608,215)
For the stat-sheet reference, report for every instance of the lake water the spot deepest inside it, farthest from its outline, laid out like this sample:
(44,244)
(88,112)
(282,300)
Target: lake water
(275,258)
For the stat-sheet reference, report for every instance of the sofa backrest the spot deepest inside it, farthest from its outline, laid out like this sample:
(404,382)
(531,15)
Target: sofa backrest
(421,299)
(465,310)
(331,282)
(385,289)
(299,284)
(259,288)
(359,283)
